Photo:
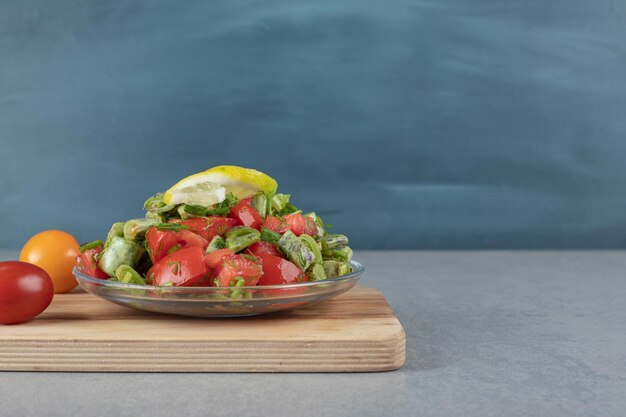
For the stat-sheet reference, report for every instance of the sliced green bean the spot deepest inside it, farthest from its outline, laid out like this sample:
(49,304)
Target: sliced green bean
(125,273)
(216,243)
(312,244)
(279,201)
(86,246)
(297,251)
(240,237)
(341,254)
(137,228)
(155,204)
(120,251)
(333,241)
(316,272)
(335,269)
(157,217)
(261,204)
(117,229)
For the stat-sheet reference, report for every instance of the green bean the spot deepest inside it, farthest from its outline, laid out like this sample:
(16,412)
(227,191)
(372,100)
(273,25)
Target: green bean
(298,252)
(216,243)
(120,251)
(341,254)
(157,217)
(86,246)
(117,229)
(279,201)
(137,228)
(156,204)
(125,273)
(316,272)
(240,237)
(312,244)
(335,269)
(333,241)
(261,204)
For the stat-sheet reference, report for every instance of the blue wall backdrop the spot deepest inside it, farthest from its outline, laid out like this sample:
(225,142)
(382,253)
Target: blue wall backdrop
(407,124)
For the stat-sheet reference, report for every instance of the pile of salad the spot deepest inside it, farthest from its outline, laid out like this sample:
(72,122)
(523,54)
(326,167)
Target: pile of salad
(224,227)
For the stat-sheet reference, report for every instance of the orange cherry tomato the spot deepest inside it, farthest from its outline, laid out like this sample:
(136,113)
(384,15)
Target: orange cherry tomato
(54,251)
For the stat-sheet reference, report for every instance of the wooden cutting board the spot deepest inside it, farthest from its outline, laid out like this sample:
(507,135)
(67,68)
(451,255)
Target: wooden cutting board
(354,332)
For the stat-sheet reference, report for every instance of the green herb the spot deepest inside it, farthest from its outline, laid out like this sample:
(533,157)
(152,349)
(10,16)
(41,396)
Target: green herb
(288,209)
(86,246)
(174,266)
(268,235)
(223,208)
(176,227)
(195,210)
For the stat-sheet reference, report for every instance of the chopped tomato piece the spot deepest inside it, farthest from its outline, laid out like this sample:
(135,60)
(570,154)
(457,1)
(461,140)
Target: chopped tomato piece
(214,259)
(208,227)
(245,214)
(88,265)
(277,270)
(275,224)
(162,242)
(300,224)
(183,268)
(236,267)
(260,248)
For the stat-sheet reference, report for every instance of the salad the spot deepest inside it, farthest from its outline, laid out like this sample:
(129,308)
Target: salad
(224,227)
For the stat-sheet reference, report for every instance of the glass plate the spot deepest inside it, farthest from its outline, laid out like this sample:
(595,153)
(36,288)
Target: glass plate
(219,302)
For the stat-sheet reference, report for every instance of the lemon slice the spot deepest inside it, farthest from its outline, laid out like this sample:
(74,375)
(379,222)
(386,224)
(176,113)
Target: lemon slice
(196,190)
(210,187)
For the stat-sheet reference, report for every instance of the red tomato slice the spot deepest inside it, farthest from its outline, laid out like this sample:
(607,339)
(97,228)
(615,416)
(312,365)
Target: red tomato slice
(208,227)
(214,259)
(275,224)
(277,270)
(162,242)
(87,264)
(245,214)
(300,224)
(235,267)
(183,268)
(260,248)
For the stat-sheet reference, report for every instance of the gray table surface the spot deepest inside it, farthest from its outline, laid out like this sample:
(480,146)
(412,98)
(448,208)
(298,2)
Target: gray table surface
(488,334)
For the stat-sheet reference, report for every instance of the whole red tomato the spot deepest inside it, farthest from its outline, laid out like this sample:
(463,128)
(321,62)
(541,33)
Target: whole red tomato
(25,291)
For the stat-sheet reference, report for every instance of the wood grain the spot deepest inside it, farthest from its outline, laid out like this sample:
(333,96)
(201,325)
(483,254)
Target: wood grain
(354,332)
